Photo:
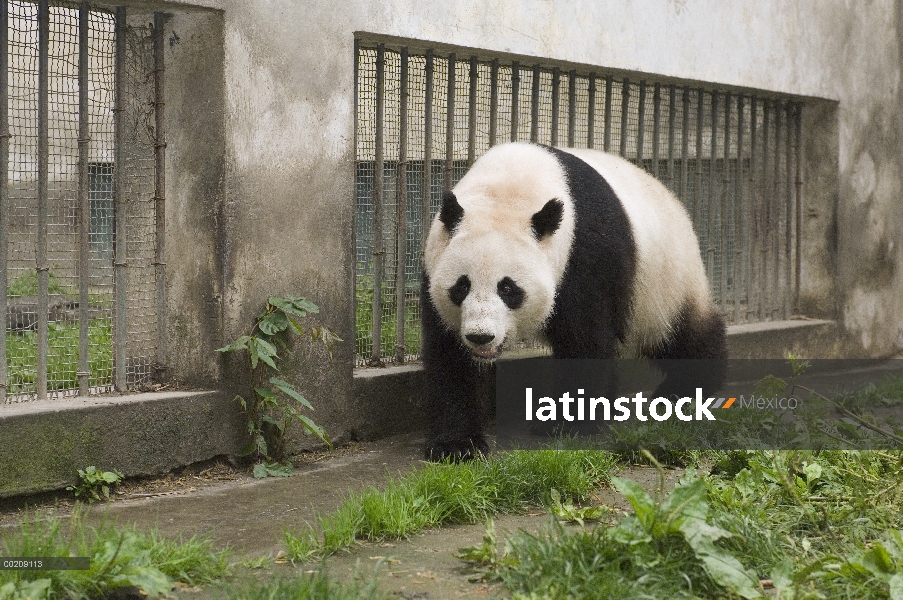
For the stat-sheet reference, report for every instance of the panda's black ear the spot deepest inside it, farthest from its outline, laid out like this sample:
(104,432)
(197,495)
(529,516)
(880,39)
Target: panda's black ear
(548,220)
(451,212)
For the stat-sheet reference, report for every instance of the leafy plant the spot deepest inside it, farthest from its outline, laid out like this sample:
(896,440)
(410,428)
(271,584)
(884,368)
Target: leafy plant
(276,404)
(567,511)
(95,483)
(120,558)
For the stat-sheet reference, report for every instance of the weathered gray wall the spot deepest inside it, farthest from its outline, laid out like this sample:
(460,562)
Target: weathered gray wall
(286,120)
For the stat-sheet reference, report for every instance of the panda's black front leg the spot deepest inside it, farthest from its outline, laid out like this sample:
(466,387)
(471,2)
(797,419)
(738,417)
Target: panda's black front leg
(454,428)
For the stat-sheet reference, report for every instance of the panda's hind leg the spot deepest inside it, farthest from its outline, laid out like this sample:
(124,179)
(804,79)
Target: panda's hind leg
(694,355)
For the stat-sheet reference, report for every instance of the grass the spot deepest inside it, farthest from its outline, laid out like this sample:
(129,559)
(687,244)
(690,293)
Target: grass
(813,524)
(453,493)
(119,558)
(62,357)
(315,586)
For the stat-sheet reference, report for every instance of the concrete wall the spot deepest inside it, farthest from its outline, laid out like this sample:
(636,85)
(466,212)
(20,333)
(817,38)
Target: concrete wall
(260,156)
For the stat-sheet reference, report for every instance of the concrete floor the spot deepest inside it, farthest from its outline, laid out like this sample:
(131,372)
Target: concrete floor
(249,516)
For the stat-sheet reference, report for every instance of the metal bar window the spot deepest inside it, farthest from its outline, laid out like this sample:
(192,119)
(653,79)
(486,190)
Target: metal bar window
(421,121)
(81,199)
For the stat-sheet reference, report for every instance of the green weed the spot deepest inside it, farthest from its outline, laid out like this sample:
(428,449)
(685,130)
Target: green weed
(453,493)
(95,484)
(119,558)
(315,586)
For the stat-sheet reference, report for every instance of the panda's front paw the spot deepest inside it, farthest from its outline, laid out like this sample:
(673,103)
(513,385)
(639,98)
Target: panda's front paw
(439,450)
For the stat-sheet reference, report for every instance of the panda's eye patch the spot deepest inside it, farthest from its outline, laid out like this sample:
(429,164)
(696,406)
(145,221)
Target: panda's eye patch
(511,293)
(458,292)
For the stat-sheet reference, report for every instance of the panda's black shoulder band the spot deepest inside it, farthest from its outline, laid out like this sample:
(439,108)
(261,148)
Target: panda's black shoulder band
(451,212)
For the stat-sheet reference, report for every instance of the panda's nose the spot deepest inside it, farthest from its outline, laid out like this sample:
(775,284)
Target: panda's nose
(480,338)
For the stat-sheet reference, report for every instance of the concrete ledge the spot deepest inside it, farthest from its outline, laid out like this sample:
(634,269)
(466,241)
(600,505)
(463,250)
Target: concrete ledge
(391,398)
(389,401)
(805,338)
(45,443)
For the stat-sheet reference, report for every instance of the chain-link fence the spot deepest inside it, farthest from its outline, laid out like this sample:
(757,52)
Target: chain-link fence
(78,211)
(423,117)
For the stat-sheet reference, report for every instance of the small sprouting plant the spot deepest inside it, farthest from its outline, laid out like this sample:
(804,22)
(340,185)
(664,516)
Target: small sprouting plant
(276,404)
(95,484)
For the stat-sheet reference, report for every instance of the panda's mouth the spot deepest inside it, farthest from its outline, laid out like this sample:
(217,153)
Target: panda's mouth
(482,353)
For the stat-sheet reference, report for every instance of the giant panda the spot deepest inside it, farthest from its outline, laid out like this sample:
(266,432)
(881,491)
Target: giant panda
(576,248)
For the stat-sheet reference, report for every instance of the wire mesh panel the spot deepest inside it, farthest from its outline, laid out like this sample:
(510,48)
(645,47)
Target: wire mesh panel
(732,159)
(80,92)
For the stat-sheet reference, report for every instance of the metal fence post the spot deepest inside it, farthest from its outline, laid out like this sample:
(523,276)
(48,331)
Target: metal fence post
(378,251)
(4,183)
(42,268)
(121,206)
(401,211)
(84,207)
(160,197)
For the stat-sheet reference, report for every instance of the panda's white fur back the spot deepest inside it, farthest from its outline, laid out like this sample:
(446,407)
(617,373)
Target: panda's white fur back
(511,182)
(669,266)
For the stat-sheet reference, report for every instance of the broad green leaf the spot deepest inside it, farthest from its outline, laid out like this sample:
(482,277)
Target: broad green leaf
(248,449)
(275,423)
(296,327)
(278,469)
(289,390)
(727,571)
(264,351)
(643,505)
(273,323)
(241,343)
(260,471)
(304,304)
(896,587)
(314,429)
(265,394)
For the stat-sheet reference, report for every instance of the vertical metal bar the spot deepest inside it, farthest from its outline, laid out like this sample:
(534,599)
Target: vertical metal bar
(697,192)
(656,126)
(515,99)
(591,111)
(572,107)
(741,234)
(42,268)
(159,195)
(685,152)
(625,110)
(556,103)
(778,208)
(427,191)
(672,116)
(764,212)
(84,208)
(450,124)
(606,139)
(472,113)
(712,195)
(798,206)
(534,106)
(4,183)
(726,259)
(494,102)
(355,221)
(401,210)
(753,213)
(789,216)
(378,248)
(641,125)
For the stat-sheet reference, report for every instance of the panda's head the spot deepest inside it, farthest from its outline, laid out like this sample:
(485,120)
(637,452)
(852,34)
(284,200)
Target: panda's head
(497,249)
